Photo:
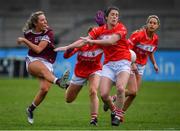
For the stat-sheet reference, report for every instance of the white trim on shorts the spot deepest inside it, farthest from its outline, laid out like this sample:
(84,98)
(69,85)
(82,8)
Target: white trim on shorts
(29,59)
(140,68)
(113,68)
(80,81)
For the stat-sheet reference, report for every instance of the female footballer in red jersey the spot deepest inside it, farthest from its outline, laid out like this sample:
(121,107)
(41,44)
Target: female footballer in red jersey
(117,64)
(39,38)
(88,67)
(144,43)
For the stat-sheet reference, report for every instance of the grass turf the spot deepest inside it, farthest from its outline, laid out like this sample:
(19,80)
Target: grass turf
(156,107)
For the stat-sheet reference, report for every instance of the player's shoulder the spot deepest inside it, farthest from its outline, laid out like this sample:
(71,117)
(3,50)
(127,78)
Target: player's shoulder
(121,26)
(139,32)
(48,30)
(99,27)
(28,32)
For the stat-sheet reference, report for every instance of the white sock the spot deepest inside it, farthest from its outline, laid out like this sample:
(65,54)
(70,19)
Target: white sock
(34,104)
(55,80)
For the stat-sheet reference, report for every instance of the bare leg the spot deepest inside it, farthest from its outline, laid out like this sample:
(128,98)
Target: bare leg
(130,91)
(72,92)
(121,83)
(44,88)
(94,101)
(38,69)
(105,87)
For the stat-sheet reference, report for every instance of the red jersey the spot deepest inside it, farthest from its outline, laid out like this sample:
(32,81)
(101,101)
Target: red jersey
(143,45)
(88,60)
(117,51)
(35,38)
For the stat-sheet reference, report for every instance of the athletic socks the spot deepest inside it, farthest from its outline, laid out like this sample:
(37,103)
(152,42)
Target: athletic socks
(32,107)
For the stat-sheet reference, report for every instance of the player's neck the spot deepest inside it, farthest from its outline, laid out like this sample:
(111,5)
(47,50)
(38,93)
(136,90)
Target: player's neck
(149,34)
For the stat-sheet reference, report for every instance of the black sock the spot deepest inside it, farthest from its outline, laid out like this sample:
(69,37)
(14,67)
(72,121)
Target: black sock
(32,107)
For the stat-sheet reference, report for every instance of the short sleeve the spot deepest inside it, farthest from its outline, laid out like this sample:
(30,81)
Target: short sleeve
(95,32)
(134,38)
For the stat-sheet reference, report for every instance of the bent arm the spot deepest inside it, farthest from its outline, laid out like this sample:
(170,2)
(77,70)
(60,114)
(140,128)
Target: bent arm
(153,61)
(36,48)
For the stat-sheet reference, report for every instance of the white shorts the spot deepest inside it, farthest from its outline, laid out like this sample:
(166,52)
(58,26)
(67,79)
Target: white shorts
(113,68)
(30,59)
(80,81)
(140,69)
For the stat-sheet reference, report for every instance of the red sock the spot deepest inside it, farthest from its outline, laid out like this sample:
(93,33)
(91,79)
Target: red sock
(93,116)
(113,108)
(119,113)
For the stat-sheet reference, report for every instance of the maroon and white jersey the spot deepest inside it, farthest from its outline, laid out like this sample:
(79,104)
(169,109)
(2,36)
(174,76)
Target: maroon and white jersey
(48,53)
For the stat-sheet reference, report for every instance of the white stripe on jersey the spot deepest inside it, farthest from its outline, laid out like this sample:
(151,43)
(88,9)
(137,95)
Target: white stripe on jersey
(149,48)
(46,38)
(90,53)
(131,42)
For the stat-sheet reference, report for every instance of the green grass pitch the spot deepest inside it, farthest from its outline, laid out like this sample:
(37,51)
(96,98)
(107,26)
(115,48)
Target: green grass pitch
(156,107)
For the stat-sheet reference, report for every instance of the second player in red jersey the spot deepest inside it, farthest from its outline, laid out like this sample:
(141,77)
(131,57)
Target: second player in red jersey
(144,42)
(143,45)
(88,60)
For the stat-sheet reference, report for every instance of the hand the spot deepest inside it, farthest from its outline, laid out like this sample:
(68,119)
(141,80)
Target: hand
(61,49)
(134,68)
(20,40)
(156,67)
(86,40)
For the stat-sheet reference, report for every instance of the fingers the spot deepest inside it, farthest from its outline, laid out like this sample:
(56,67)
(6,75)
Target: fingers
(60,49)
(57,49)
(19,40)
(84,39)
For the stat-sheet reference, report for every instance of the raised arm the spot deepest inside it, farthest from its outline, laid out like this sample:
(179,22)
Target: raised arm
(77,44)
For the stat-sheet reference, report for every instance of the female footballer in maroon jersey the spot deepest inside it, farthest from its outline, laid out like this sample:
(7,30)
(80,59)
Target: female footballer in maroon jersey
(39,38)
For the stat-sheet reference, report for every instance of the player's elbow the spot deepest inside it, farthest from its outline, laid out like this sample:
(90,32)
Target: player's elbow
(38,50)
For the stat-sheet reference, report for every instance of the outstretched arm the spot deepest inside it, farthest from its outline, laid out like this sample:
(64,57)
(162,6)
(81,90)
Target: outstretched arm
(109,41)
(77,44)
(152,58)
(70,52)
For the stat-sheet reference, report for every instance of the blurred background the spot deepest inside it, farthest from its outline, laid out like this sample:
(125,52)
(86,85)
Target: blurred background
(71,19)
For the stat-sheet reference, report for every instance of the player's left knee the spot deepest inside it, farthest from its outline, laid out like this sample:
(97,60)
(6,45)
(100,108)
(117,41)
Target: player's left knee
(120,88)
(105,97)
(92,93)
(44,90)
